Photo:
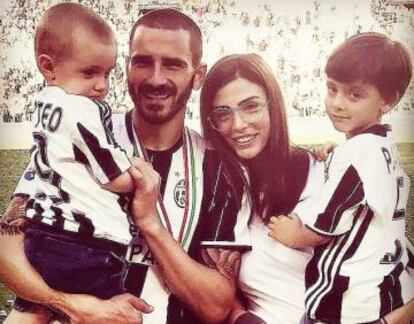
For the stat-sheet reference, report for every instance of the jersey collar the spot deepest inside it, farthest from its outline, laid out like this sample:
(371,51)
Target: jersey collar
(378,129)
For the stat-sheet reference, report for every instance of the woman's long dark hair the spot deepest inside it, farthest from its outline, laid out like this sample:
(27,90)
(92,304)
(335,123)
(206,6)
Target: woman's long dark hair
(268,188)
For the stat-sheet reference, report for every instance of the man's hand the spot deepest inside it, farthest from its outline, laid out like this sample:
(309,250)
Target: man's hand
(284,228)
(147,182)
(124,308)
(13,221)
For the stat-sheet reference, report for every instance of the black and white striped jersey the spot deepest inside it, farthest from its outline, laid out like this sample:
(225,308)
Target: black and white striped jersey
(360,274)
(197,205)
(74,153)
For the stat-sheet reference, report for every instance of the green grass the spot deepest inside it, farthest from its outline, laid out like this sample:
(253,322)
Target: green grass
(12,163)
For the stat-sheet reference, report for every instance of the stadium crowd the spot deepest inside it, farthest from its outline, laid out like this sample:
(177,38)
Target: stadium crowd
(294,38)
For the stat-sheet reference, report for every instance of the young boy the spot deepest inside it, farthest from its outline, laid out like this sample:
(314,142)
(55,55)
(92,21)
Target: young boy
(358,272)
(79,229)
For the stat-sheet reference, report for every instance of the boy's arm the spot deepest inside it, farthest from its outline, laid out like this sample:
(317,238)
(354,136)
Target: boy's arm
(96,147)
(290,231)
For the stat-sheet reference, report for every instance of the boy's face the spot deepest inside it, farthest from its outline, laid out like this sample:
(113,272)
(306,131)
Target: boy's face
(353,107)
(86,70)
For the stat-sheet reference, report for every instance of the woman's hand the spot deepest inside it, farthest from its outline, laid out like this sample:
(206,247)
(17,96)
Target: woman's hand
(321,152)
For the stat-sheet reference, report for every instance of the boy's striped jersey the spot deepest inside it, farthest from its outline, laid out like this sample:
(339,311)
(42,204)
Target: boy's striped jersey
(74,153)
(200,208)
(360,274)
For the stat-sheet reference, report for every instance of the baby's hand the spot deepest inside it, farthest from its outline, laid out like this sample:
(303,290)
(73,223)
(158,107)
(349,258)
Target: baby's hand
(284,228)
(321,152)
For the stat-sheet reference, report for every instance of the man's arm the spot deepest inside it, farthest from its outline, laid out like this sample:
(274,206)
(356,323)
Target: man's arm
(17,273)
(401,315)
(209,292)
(13,220)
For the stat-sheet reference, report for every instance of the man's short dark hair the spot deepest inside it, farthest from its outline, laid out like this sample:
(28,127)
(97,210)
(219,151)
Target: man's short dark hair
(375,59)
(172,19)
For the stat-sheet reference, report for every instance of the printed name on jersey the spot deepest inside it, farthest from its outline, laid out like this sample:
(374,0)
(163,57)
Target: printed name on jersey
(48,116)
(393,258)
(399,213)
(140,252)
(392,158)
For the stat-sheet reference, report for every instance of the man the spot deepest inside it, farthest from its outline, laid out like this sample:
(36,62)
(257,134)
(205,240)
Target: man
(163,67)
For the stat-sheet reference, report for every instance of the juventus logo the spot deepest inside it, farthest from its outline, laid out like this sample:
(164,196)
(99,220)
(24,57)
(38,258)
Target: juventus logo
(392,258)
(179,193)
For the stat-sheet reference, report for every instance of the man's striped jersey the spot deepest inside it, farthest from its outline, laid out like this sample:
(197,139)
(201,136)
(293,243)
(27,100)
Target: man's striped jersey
(197,205)
(74,153)
(360,274)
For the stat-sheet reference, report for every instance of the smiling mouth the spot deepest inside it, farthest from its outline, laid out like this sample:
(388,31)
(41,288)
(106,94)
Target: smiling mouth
(244,140)
(336,117)
(157,96)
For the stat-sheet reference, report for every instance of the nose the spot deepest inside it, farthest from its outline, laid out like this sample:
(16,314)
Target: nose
(102,84)
(238,121)
(338,101)
(157,78)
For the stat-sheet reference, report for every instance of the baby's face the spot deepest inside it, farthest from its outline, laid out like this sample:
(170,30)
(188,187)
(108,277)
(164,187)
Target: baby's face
(86,70)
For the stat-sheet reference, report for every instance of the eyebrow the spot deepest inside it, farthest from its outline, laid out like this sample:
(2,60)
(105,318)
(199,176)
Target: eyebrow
(175,61)
(141,57)
(358,88)
(96,68)
(248,99)
(91,67)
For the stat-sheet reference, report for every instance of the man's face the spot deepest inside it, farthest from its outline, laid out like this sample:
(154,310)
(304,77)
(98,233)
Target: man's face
(160,73)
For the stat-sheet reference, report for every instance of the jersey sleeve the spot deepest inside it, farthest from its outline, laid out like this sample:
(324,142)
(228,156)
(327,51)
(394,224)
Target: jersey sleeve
(339,198)
(94,142)
(310,194)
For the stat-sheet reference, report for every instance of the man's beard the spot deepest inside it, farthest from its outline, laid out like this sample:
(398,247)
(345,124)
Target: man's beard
(153,113)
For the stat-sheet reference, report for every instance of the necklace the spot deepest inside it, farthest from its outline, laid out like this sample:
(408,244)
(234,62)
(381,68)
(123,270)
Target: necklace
(187,223)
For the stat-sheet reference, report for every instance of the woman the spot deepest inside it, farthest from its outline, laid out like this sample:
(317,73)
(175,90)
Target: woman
(243,115)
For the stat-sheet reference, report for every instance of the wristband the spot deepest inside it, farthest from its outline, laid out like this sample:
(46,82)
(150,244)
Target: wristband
(249,318)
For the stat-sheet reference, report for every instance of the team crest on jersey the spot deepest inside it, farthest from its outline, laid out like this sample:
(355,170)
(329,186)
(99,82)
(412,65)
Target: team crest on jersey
(29,174)
(179,193)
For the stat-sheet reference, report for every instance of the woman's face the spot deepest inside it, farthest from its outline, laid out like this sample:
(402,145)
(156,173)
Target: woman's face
(245,123)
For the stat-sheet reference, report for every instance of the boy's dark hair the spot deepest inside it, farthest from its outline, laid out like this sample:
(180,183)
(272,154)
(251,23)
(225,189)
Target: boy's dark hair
(55,32)
(375,59)
(172,19)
